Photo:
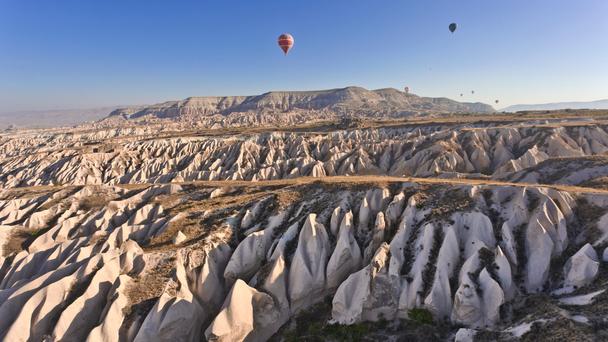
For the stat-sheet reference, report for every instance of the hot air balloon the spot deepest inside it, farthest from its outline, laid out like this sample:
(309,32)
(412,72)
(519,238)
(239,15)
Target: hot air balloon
(460,94)
(406,90)
(472,91)
(453,27)
(285,42)
(496,101)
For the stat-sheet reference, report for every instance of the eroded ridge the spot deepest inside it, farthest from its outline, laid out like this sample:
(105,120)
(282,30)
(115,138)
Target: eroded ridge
(570,152)
(244,260)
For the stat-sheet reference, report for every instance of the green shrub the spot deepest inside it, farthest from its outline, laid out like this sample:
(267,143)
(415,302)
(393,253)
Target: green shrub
(354,332)
(422,316)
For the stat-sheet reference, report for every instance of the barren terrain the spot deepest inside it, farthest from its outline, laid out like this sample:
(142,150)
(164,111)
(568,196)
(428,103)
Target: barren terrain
(454,227)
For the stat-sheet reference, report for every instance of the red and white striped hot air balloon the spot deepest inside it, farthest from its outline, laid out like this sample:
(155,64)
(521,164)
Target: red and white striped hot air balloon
(285,42)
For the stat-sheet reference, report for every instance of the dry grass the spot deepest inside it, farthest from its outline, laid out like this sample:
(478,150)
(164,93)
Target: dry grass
(19,239)
(596,183)
(144,291)
(132,187)
(67,191)
(204,218)
(189,225)
(247,191)
(14,243)
(287,198)
(28,192)
(324,126)
(96,201)
(385,180)
(588,215)
(437,118)
(150,285)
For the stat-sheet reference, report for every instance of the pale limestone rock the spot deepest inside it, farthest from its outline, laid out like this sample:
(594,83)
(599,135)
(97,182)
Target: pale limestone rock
(247,315)
(394,210)
(248,256)
(552,220)
(471,228)
(368,294)
(179,238)
(334,223)
(410,217)
(174,317)
(36,316)
(112,316)
(503,271)
(307,272)
(79,318)
(439,300)
(275,284)
(346,257)
(411,290)
(478,308)
(465,335)
(377,238)
(364,217)
(539,248)
(207,281)
(582,268)
(508,243)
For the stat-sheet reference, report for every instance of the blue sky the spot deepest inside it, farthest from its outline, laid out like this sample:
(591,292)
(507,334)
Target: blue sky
(79,54)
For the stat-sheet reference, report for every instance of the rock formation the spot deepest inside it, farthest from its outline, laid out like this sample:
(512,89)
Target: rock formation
(122,234)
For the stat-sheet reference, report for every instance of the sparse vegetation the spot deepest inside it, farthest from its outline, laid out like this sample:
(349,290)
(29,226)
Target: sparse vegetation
(145,290)
(519,234)
(428,275)
(20,238)
(421,315)
(588,214)
(533,201)
(312,325)
(448,190)
(92,202)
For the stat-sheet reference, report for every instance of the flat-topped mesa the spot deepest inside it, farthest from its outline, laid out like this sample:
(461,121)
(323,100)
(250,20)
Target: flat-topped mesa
(343,100)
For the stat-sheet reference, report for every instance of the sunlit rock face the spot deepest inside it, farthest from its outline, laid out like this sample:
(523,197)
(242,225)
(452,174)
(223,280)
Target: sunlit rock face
(379,103)
(137,155)
(136,233)
(246,266)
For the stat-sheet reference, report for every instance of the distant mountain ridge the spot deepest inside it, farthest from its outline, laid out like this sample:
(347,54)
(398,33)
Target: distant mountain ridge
(349,100)
(599,104)
(53,117)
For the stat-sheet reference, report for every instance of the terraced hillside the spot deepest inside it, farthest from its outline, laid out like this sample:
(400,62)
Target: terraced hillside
(459,229)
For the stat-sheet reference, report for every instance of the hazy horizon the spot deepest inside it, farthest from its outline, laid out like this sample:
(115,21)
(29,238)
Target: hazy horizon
(71,54)
(499,106)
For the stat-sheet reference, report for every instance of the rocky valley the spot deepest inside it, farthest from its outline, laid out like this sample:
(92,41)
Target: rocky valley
(290,218)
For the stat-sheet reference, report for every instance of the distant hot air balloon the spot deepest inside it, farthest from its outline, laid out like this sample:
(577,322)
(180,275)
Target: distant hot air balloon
(453,27)
(406,90)
(460,94)
(472,91)
(285,42)
(496,101)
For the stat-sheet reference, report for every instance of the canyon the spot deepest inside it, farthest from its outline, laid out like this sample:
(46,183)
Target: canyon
(457,227)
